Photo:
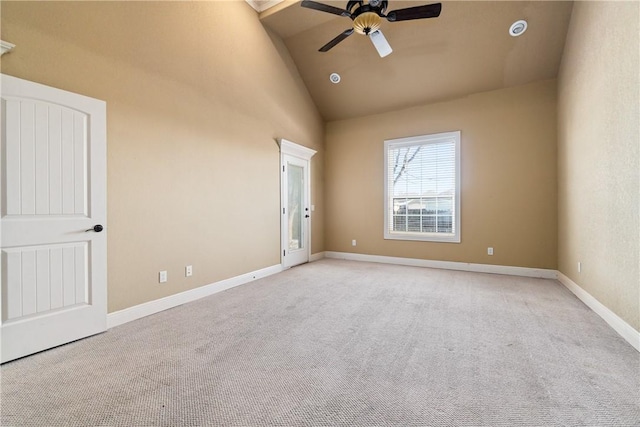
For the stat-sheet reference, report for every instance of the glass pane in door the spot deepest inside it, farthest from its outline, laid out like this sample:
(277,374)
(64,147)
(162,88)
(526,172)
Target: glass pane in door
(295,182)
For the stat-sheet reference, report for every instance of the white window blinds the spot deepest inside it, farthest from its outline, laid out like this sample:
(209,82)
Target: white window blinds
(422,188)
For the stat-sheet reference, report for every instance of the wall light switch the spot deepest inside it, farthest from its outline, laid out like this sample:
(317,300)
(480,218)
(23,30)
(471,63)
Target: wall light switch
(353,242)
(162,277)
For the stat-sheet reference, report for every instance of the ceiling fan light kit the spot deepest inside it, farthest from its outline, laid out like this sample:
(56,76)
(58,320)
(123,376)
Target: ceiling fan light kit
(367,19)
(366,23)
(380,43)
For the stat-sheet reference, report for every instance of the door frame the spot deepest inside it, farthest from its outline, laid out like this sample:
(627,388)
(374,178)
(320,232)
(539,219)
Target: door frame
(291,149)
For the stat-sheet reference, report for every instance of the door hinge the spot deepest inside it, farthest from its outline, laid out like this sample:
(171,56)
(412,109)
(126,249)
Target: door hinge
(284,253)
(282,168)
(282,211)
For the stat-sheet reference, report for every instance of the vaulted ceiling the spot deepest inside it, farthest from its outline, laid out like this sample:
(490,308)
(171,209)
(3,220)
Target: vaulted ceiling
(466,50)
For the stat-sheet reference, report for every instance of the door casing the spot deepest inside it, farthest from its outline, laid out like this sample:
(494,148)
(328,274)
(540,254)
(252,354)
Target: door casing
(302,155)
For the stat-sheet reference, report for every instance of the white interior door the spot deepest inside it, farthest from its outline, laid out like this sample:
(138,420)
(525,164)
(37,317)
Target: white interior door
(53,210)
(296,206)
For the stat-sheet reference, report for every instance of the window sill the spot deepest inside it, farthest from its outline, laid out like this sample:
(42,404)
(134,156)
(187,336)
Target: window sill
(423,237)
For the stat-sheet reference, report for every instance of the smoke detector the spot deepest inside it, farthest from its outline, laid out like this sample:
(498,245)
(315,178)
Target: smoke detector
(518,28)
(335,78)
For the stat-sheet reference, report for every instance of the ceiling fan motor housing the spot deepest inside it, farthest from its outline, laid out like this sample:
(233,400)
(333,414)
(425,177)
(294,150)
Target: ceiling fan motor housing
(379,6)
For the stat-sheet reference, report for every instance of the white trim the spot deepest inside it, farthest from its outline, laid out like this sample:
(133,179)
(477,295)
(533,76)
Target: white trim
(254,4)
(625,330)
(262,5)
(444,137)
(295,150)
(142,310)
(447,265)
(295,153)
(5,47)
(316,257)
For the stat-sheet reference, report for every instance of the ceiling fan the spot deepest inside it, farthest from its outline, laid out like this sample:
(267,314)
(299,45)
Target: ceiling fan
(367,17)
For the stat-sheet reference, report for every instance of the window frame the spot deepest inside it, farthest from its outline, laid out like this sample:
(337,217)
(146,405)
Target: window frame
(388,217)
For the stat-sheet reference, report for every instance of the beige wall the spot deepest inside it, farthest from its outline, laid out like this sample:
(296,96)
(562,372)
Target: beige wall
(196,94)
(508,162)
(599,155)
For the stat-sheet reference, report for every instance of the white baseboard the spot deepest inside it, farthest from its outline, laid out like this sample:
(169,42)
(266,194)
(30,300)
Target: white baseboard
(448,265)
(141,310)
(136,312)
(316,257)
(625,330)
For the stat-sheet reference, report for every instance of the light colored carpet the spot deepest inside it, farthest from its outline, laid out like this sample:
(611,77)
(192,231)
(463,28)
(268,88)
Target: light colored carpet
(343,343)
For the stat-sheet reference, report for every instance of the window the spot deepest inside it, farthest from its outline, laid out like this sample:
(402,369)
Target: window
(422,188)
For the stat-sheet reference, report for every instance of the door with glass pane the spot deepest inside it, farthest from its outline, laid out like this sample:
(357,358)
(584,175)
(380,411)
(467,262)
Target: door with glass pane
(295,211)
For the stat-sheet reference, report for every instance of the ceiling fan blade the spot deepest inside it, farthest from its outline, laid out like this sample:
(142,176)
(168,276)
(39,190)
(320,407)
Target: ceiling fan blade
(325,8)
(417,12)
(337,40)
(381,44)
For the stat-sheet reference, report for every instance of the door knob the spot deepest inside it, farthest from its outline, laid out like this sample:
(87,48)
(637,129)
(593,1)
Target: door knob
(97,228)
(306,216)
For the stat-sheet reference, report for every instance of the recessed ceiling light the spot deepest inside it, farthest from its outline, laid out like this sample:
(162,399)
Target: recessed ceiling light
(518,28)
(335,78)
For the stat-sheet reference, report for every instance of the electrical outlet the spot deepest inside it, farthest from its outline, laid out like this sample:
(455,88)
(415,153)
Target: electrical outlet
(188,271)
(489,251)
(353,242)
(162,277)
